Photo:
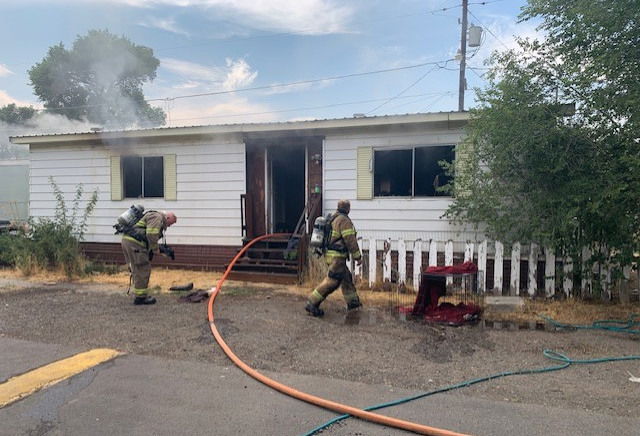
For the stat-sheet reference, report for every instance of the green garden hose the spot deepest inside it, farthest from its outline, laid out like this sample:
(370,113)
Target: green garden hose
(565,362)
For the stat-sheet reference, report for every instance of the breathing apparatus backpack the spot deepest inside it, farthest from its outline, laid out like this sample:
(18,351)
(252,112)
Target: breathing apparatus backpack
(128,220)
(321,234)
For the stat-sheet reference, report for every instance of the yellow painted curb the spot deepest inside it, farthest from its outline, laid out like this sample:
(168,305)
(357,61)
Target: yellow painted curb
(26,384)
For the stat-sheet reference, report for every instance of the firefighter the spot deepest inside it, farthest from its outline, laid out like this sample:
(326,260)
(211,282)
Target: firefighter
(342,243)
(139,245)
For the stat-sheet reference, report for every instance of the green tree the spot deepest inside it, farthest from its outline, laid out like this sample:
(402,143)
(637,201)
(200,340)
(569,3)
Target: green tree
(552,155)
(99,79)
(12,114)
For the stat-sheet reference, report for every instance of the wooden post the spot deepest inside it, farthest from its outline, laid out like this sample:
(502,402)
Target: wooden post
(433,253)
(533,269)
(567,272)
(417,263)
(448,259)
(357,269)
(497,268)
(372,262)
(549,272)
(402,261)
(468,252)
(514,289)
(482,266)
(386,268)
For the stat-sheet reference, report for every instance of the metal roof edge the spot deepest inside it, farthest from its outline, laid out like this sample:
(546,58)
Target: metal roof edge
(246,128)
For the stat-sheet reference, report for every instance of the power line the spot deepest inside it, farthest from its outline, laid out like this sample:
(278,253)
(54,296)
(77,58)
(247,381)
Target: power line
(307,107)
(488,30)
(408,87)
(256,88)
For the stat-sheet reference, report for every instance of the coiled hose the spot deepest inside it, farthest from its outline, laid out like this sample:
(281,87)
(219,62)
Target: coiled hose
(327,404)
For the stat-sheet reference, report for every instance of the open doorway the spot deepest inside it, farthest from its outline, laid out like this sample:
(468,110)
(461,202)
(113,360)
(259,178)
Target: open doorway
(286,186)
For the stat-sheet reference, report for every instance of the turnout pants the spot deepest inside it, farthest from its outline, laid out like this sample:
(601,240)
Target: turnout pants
(137,258)
(337,276)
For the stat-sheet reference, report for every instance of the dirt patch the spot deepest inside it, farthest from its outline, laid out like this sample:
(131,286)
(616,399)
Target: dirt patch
(269,329)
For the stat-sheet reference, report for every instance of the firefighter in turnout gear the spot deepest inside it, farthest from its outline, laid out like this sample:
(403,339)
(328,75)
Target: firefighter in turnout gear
(139,245)
(342,243)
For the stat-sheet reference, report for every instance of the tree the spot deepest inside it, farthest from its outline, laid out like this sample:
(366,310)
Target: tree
(12,114)
(99,79)
(534,171)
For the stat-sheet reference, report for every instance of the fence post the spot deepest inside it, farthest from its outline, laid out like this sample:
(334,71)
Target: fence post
(549,272)
(417,263)
(402,261)
(386,268)
(533,269)
(448,259)
(482,266)
(567,272)
(586,285)
(468,251)
(497,268)
(357,268)
(372,261)
(433,253)
(515,269)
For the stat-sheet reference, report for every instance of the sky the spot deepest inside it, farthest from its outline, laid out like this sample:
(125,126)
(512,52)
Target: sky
(308,59)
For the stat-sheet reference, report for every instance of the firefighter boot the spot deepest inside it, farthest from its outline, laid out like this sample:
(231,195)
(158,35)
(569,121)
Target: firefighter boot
(354,304)
(313,310)
(144,299)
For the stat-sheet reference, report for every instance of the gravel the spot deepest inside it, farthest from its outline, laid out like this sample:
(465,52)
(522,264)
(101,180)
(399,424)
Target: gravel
(270,330)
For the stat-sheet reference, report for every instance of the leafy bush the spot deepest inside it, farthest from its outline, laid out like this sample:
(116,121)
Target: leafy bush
(51,243)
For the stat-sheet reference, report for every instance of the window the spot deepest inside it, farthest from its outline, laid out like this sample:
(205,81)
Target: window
(411,172)
(143,176)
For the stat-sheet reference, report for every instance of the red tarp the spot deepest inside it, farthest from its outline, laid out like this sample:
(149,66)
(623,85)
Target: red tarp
(433,286)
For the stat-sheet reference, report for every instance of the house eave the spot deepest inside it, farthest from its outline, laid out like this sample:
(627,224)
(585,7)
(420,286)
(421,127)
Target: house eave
(301,127)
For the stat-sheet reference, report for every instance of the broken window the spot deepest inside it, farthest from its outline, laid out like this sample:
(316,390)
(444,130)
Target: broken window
(411,172)
(143,176)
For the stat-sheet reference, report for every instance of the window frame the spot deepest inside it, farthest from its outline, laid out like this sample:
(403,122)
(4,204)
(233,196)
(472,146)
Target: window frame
(123,158)
(413,170)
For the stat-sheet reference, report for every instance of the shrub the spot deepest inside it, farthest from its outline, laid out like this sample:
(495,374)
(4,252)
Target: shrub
(51,243)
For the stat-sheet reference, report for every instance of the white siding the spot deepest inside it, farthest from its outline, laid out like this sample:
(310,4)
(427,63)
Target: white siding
(210,179)
(391,217)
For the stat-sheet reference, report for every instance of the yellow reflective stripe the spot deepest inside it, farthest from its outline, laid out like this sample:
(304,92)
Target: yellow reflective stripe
(153,230)
(141,223)
(129,238)
(348,232)
(335,234)
(333,253)
(140,292)
(317,295)
(357,255)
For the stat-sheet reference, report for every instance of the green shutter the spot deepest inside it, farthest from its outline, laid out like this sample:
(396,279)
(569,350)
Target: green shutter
(116,178)
(170,177)
(365,173)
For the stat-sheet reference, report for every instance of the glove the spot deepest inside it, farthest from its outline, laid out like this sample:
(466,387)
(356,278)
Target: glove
(167,251)
(150,255)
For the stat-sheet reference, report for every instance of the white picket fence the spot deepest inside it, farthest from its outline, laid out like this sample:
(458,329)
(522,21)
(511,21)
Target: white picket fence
(556,271)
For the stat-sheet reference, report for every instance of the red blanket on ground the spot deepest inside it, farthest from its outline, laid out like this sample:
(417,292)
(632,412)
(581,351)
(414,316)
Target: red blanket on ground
(433,287)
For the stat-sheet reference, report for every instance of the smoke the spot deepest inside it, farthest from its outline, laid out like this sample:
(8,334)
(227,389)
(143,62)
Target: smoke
(40,124)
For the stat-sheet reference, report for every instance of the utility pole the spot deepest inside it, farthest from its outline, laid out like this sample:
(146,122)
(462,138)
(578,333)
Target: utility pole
(463,55)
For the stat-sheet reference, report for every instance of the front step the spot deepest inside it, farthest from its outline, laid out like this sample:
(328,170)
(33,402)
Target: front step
(266,259)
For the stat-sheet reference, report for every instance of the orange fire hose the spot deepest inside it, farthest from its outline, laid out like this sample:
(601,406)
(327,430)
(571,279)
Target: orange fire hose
(321,402)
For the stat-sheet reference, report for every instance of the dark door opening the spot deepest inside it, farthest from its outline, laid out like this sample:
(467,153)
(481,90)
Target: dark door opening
(287,191)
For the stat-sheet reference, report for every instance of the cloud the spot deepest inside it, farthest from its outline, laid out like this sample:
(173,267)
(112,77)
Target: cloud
(6,99)
(167,24)
(237,73)
(4,71)
(312,17)
(211,111)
